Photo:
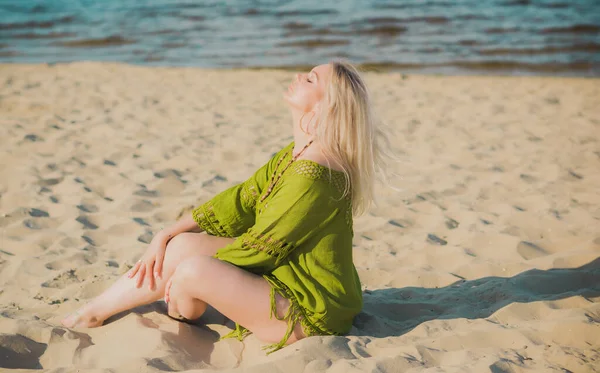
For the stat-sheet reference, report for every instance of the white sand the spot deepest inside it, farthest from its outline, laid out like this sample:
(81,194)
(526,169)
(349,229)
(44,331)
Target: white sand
(95,157)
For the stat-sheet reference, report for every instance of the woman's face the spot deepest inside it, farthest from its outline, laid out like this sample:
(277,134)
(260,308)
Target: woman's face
(307,89)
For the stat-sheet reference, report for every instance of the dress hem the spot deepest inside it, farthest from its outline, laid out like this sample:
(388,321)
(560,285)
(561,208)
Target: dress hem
(206,219)
(295,314)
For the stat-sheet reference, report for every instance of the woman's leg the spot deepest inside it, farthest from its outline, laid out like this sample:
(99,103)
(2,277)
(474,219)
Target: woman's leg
(239,295)
(124,295)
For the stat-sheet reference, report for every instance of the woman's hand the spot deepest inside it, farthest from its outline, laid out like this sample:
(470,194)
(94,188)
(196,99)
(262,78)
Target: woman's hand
(151,264)
(172,309)
(168,291)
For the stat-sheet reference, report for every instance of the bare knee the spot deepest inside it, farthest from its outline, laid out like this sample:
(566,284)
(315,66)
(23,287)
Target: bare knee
(181,247)
(191,269)
(182,240)
(196,277)
(198,243)
(188,243)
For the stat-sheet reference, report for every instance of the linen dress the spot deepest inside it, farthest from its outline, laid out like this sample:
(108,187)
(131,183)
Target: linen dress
(299,239)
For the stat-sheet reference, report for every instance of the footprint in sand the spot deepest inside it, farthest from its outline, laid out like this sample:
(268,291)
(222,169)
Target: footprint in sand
(32,224)
(94,238)
(63,280)
(23,213)
(216,178)
(142,206)
(528,178)
(170,172)
(184,211)
(435,240)
(37,213)
(451,223)
(36,223)
(88,223)
(78,260)
(39,219)
(141,222)
(144,192)
(85,207)
(69,242)
(400,223)
(146,237)
(50,181)
(529,250)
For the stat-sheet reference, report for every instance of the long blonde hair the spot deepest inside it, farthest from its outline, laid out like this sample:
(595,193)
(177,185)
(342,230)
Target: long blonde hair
(350,134)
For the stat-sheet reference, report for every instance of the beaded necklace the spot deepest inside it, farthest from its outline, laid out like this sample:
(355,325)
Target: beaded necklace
(273,180)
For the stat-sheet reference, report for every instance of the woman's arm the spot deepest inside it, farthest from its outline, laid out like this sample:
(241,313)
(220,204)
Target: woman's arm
(185,224)
(297,213)
(232,212)
(150,266)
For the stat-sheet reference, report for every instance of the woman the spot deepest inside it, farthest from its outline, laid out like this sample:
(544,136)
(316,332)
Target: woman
(279,244)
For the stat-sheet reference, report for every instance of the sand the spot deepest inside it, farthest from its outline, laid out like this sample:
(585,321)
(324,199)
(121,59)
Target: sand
(486,260)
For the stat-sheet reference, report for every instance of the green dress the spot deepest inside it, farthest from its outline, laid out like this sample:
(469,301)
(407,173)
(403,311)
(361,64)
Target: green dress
(299,239)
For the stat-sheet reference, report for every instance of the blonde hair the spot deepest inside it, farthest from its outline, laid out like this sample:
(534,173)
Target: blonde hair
(350,134)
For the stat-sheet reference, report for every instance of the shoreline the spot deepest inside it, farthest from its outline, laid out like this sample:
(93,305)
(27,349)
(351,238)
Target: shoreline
(401,69)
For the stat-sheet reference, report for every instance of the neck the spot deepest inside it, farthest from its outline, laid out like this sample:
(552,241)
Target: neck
(297,153)
(299,144)
(301,138)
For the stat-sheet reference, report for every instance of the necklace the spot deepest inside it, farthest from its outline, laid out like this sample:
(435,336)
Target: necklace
(273,180)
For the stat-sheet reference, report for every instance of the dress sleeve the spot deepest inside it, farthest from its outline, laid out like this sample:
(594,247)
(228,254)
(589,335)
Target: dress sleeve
(297,212)
(231,212)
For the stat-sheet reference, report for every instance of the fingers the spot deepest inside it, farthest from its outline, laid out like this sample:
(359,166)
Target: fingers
(158,265)
(140,276)
(150,275)
(168,291)
(134,269)
(151,269)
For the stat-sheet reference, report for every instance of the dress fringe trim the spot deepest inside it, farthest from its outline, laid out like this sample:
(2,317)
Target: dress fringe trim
(294,314)
(206,219)
(238,333)
(276,248)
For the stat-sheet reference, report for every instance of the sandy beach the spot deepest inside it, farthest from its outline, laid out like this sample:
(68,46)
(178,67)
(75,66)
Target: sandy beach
(486,260)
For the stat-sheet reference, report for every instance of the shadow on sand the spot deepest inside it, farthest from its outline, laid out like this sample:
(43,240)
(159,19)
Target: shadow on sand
(396,311)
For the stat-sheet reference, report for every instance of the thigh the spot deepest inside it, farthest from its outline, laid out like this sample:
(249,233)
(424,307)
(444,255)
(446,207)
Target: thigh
(191,244)
(239,295)
(188,245)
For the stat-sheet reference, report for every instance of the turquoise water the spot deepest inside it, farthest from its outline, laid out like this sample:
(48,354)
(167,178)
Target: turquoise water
(462,36)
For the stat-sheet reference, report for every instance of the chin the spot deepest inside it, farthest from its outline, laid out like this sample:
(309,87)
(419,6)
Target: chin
(287,100)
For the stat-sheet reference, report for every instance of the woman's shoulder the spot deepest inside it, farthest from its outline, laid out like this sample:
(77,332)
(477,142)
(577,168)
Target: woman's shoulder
(286,149)
(307,174)
(313,170)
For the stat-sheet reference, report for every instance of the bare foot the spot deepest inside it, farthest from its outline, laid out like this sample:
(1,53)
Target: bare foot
(82,318)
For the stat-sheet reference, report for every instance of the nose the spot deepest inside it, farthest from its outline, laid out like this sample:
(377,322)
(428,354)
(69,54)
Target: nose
(298,77)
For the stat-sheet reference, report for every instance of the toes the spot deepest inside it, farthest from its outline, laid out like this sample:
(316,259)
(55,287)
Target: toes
(81,319)
(71,319)
(66,322)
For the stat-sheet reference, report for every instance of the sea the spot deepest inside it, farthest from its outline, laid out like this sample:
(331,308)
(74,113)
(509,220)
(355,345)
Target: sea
(506,37)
